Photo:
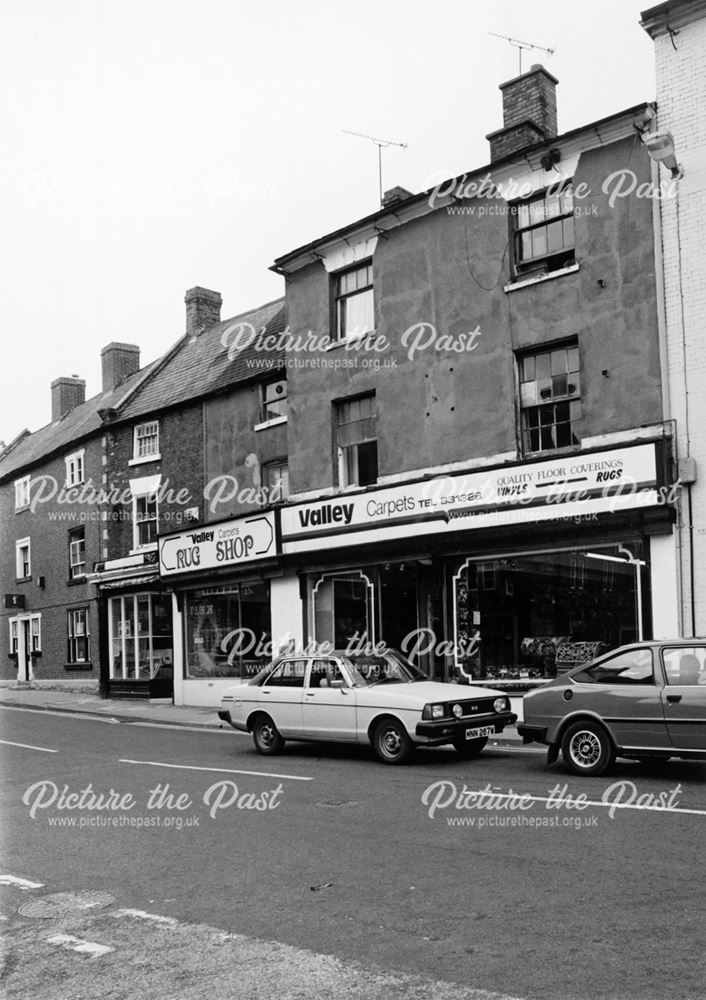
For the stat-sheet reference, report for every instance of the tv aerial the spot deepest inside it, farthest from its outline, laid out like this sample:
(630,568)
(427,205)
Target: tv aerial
(520,46)
(381,144)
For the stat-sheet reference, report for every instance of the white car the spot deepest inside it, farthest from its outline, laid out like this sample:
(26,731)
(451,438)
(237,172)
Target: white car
(380,700)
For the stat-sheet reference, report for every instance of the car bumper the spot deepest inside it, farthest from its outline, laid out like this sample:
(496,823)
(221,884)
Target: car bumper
(532,734)
(446,731)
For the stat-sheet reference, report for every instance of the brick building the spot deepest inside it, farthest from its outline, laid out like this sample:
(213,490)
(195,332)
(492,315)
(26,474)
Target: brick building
(201,440)
(678,29)
(52,488)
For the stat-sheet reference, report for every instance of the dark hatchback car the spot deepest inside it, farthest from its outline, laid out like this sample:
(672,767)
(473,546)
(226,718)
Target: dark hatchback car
(644,701)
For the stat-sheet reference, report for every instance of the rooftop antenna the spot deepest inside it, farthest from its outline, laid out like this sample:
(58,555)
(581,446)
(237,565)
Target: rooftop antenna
(521,45)
(381,144)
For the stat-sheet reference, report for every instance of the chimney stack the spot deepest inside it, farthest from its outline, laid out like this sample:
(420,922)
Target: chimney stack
(118,362)
(203,309)
(395,195)
(66,394)
(529,113)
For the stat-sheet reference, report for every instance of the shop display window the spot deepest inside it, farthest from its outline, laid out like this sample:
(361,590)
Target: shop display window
(228,630)
(140,636)
(533,615)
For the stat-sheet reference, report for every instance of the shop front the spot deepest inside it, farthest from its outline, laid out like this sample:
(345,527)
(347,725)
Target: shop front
(477,583)
(136,656)
(224,578)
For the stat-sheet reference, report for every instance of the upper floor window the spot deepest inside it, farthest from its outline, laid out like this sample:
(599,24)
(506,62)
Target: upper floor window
(23,559)
(544,232)
(22,493)
(356,441)
(74,468)
(146,521)
(274,399)
(77,553)
(353,302)
(146,441)
(275,479)
(550,398)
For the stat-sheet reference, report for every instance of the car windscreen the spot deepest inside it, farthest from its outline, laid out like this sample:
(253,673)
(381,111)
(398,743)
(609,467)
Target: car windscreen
(388,668)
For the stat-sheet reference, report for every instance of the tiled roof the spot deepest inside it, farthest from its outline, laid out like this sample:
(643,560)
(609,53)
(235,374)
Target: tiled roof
(77,424)
(201,365)
(193,367)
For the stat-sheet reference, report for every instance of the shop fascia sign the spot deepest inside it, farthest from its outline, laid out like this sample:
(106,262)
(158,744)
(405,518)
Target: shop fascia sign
(570,486)
(229,543)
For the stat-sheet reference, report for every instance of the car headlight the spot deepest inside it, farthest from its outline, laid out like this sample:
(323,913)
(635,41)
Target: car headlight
(501,705)
(434,712)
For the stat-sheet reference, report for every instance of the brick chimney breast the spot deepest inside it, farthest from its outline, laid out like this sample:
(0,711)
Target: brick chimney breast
(118,362)
(529,112)
(66,394)
(203,309)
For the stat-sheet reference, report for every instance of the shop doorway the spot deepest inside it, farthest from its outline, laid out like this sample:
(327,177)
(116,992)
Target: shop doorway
(399,603)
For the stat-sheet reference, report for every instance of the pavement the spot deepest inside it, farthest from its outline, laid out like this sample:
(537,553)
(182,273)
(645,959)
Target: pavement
(142,710)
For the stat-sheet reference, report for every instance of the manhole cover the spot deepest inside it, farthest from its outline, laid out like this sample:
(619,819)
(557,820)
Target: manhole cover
(336,803)
(62,903)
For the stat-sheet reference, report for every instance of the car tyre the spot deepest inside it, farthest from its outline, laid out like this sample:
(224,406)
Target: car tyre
(587,748)
(266,737)
(470,748)
(391,742)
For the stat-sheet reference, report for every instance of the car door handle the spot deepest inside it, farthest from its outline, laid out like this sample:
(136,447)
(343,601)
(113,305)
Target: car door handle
(267,692)
(673,697)
(310,694)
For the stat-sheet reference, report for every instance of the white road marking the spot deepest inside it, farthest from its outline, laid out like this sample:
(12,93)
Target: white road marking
(571,802)
(218,770)
(78,944)
(20,883)
(155,918)
(27,746)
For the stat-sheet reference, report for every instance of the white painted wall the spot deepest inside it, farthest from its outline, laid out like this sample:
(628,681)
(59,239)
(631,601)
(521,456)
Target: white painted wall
(681,98)
(287,612)
(664,587)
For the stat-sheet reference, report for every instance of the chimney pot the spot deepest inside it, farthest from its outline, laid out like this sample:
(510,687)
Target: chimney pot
(67,393)
(203,309)
(118,362)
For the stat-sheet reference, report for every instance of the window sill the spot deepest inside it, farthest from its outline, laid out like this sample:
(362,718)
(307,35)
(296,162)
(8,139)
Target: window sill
(546,453)
(23,579)
(145,460)
(78,666)
(152,547)
(539,278)
(356,340)
(273,422)
(18,510)
(76,581)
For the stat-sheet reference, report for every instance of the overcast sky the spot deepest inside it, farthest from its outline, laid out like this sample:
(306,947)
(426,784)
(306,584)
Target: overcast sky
(153,145)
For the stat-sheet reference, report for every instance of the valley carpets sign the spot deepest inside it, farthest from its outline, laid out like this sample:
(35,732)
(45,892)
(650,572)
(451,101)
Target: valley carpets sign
(577,485)
(230,543)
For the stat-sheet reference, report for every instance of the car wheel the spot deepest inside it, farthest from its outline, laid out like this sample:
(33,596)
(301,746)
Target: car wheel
(587,749)
(391,742)
(470,748)
(266,737)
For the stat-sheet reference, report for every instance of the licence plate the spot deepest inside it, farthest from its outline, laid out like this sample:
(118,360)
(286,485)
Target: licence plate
(473,734)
